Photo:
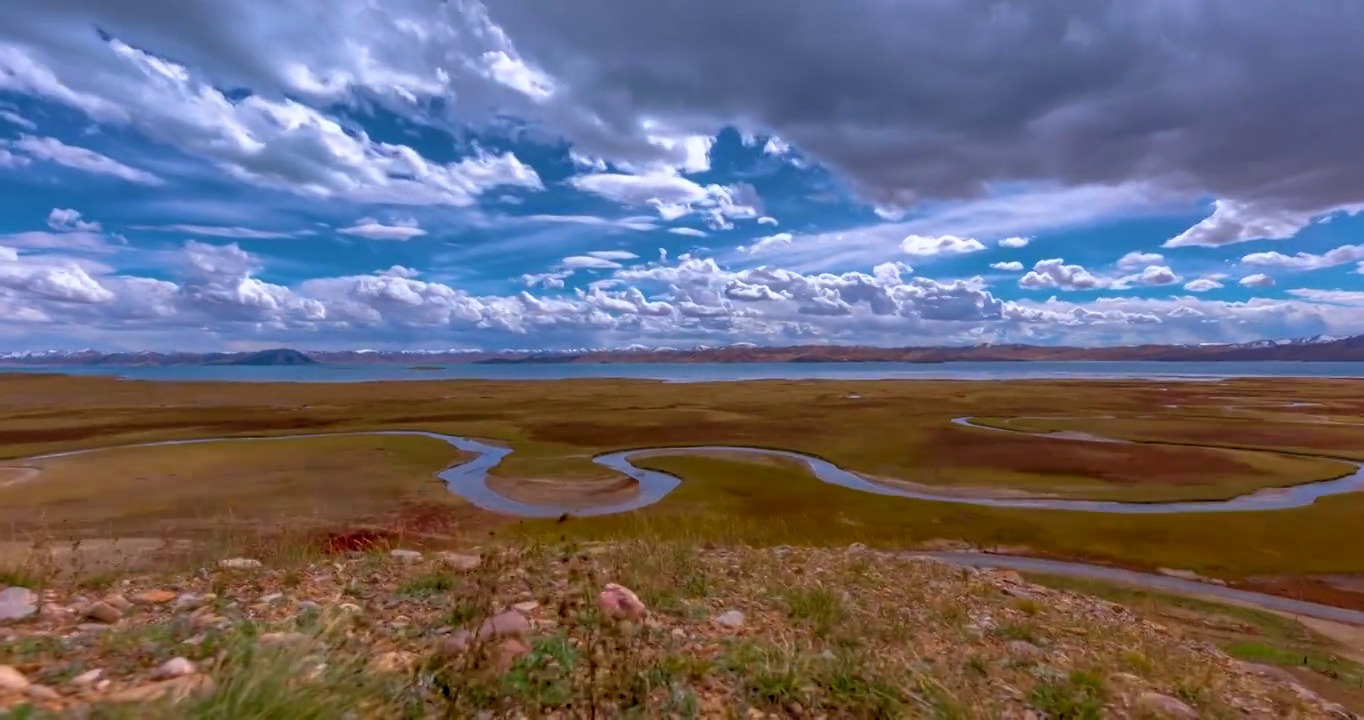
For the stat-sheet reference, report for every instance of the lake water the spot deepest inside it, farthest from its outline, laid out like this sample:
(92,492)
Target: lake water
(698,372)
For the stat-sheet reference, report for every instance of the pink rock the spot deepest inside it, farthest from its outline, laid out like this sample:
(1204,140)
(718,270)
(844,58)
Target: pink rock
(505,624)
(508,652)
(621,602)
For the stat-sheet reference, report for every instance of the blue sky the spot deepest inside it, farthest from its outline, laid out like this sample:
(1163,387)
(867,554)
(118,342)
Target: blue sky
(445,176)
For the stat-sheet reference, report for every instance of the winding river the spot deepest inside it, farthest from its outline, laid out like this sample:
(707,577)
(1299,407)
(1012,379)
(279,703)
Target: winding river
(469,480)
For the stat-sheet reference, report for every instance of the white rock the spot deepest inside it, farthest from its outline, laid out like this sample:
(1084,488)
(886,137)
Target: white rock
(526,607)
(11,679)
(17,603)
(89,677)
(174,668)
(732,619)
(461,562)
(407,556)
(239,564)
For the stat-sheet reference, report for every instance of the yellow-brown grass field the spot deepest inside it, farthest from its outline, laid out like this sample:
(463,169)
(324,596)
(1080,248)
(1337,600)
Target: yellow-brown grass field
(1221,439)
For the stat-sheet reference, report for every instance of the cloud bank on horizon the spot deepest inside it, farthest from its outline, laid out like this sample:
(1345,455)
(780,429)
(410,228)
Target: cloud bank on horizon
(445,173)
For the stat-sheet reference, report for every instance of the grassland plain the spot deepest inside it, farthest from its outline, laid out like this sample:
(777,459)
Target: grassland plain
(888,429)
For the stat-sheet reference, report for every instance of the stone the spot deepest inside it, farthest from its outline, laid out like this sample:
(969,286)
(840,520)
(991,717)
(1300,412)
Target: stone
(730,620)
(1164,706)
(508,652)
(395,661)
(103,612)
(42,692)
(272,597)
(504,624)
(526,607)
(1023,651)
(118,602)
(174,668)
(11,679)
(153,597)
(53,612)
(621,602)
(17,603)
(1336,710)
(461,562)
(284,639)
(239,564)
(89,677)
(175,689)
(454,645)
(306,605)
(189,601)
(407,556)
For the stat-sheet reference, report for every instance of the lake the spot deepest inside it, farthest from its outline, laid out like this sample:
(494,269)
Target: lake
(709,372)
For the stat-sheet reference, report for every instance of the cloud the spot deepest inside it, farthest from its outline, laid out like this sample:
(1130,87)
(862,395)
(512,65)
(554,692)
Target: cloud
(18,120)
(67,219)
(1055,273)
(943,245)
(48,280)
(79,158)
(1155,275)
(766,243)
(1010,266)
(1335,297)
(240,233)
(1235,222)
(1073,115)
(674,196)
(9,159)
(278,143)
(1204,284)
(612,254)
(1014,242)
(1138,259)
(1307,261)
(375,230)
(633,222)
(1257,280)
(589,262)
(689,232)
(688,300)
(1114,99)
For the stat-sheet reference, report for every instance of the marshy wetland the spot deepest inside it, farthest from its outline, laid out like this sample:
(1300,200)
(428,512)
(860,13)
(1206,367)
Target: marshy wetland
(1164,443)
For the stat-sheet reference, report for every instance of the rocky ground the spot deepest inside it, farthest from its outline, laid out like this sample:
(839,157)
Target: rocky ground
(635,629)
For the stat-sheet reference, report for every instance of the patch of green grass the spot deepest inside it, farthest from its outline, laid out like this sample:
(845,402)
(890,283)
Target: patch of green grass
(543,679)
(1079,696)
(819,607)
(427,585)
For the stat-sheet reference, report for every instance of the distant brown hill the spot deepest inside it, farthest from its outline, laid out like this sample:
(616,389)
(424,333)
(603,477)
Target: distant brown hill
(1317,349)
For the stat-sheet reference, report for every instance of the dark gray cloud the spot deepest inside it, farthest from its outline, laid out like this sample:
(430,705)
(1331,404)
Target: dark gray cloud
(1255,100)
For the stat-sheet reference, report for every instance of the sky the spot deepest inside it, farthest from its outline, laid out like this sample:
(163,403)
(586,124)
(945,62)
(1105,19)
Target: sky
(430,174)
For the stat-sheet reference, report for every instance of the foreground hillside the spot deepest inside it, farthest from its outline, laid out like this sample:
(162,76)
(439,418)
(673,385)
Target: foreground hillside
(638,628)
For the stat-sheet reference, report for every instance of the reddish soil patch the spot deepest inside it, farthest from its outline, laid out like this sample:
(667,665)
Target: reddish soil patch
(357,541)
(1315,436)
(1120,463)
(692,431)
(1305,588)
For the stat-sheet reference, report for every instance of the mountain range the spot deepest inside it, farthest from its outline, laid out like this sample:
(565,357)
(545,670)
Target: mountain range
(1318,348)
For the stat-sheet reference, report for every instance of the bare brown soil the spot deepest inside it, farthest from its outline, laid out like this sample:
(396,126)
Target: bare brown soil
(558,491)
